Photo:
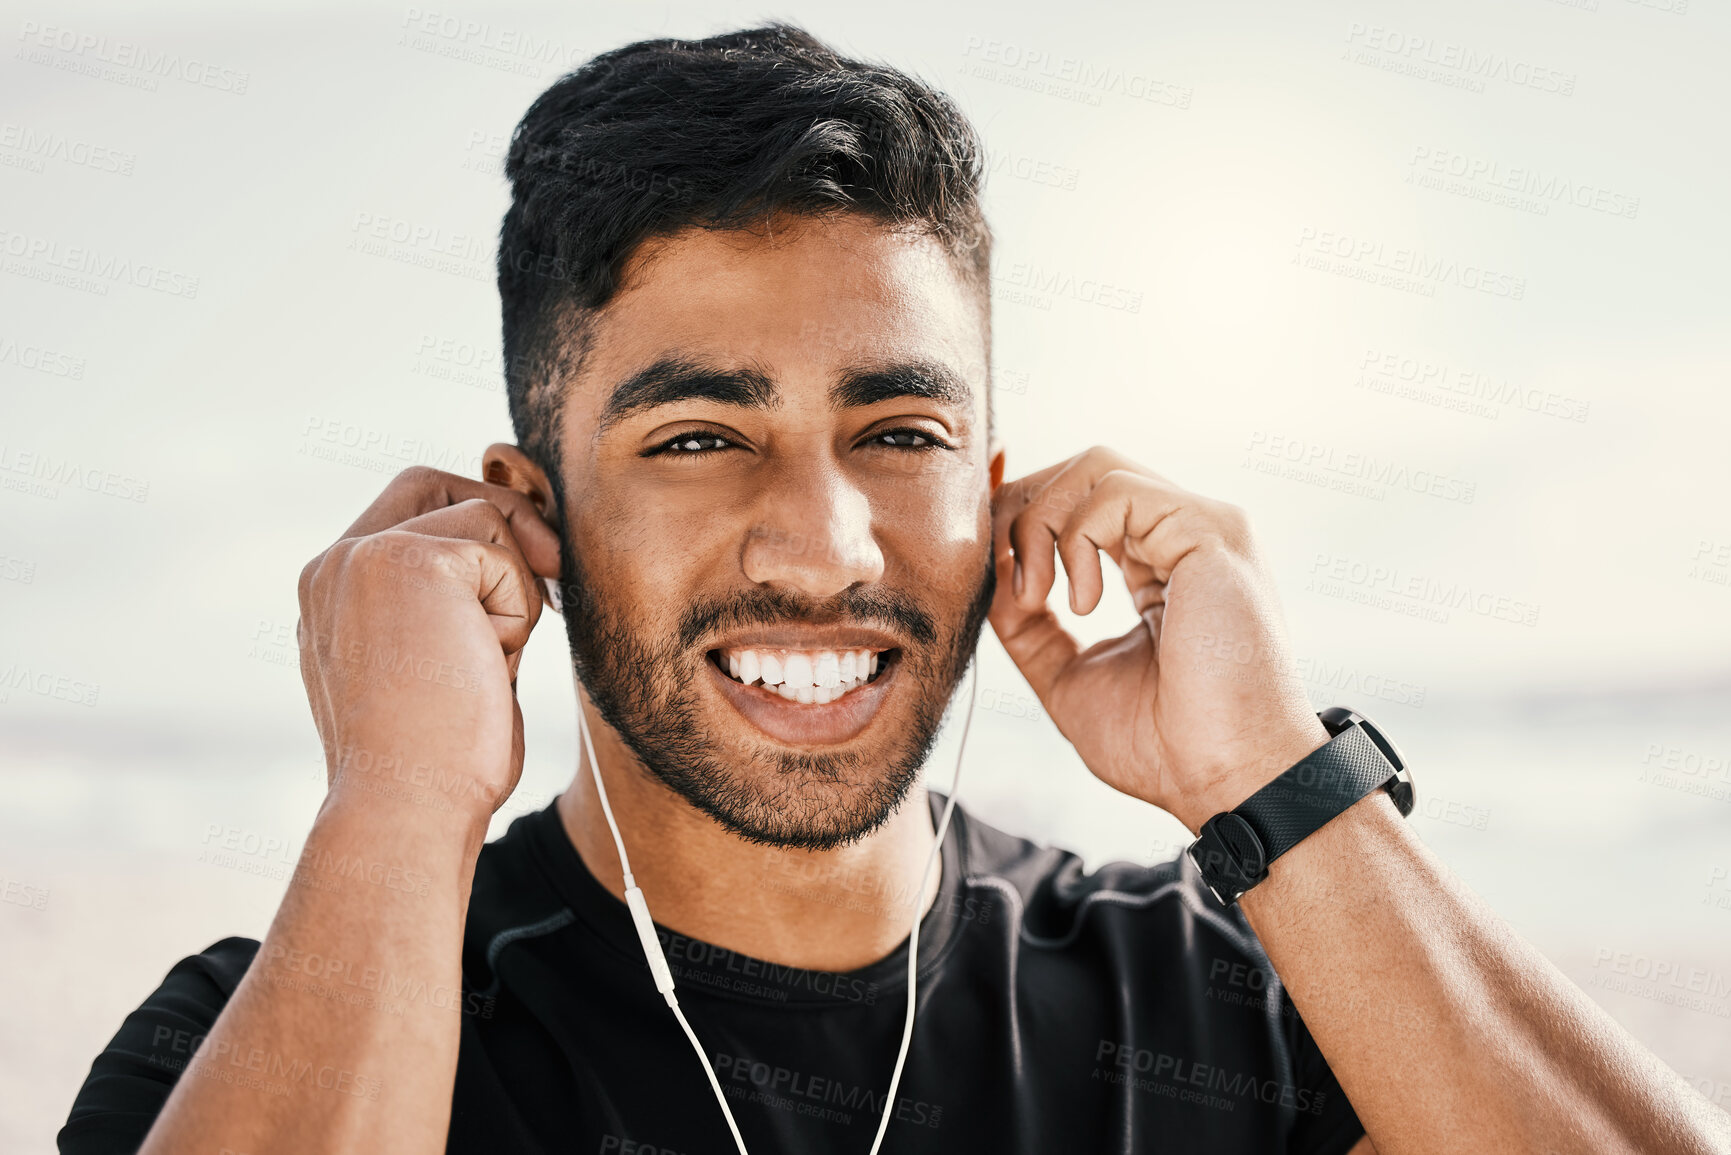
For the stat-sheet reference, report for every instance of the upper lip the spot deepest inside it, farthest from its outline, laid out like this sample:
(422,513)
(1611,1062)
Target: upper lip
(795,637)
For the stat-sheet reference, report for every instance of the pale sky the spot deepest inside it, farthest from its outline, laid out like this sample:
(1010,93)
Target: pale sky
(1265,139)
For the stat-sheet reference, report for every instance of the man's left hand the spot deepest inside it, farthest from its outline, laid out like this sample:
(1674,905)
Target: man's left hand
(1196,706)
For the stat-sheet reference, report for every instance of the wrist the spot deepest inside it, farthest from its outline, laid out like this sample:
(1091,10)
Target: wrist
(1356,846)
(1235,849)
(424,823)
(1268,759)
(385,772)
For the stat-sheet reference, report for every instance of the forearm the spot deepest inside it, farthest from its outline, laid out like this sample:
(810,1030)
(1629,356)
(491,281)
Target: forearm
(343,1034)
(1447,1031)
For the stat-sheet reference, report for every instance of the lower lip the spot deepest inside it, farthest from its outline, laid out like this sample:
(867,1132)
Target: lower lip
(806,723)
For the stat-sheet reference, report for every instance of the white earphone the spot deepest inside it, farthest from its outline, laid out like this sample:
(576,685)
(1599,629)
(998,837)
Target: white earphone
(658,961)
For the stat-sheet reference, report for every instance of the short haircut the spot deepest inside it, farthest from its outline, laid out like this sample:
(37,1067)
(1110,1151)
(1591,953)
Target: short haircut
(723,133)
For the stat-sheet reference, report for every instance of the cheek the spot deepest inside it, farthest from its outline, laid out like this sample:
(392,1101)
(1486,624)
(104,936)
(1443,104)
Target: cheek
(956,516)
(650,534)
(619,554)
(644,575)
(938,544)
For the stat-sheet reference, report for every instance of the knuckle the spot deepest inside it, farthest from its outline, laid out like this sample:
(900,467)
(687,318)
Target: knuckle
(414,477)
(1234,523)
(1074,527)
(1052,496)
(373,557)
(1115,460)
(484,509)
(373,551)
(309,575)
(1119,478)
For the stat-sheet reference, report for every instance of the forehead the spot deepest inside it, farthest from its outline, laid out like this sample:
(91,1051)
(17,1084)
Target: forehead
(802,299)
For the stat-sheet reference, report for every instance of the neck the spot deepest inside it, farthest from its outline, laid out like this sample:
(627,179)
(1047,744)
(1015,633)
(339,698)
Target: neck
(831,910)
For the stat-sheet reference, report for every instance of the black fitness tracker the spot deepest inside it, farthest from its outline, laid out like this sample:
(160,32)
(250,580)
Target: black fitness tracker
(1234,848)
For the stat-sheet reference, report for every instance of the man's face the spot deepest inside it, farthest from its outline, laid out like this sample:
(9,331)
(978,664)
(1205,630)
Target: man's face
(777,523)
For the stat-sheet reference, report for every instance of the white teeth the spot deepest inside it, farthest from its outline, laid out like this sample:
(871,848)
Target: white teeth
(815,676)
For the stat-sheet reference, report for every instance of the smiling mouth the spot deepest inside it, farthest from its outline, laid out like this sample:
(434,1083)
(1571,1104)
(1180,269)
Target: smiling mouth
(813,677)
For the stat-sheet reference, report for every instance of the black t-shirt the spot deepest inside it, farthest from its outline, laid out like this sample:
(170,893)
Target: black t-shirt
(1119,1011)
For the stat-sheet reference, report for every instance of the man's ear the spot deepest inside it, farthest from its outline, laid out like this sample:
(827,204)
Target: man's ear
(508,466)
(997,467)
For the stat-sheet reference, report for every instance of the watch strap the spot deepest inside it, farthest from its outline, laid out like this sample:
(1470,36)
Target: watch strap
(1317,788)
(1234,849)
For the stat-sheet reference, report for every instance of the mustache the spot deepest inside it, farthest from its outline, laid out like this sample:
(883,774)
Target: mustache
(886,609)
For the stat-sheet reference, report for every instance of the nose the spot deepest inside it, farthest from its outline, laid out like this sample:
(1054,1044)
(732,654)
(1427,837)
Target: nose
(813,534)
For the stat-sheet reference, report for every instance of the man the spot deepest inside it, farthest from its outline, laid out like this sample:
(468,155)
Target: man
(746,325)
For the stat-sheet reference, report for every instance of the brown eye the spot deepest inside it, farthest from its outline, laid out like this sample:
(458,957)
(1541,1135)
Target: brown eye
(693,444)
(914,439)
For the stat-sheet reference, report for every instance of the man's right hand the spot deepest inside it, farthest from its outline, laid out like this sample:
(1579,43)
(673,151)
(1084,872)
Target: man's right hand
(412,626)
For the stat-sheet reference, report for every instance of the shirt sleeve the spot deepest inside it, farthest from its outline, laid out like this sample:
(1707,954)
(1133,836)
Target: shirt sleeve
(132,1077)
(1326,1123)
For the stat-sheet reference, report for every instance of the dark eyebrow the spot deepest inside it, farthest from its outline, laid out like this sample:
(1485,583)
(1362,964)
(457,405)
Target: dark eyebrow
(930,381)
(673,379)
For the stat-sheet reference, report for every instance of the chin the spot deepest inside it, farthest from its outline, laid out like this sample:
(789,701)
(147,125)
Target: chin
(769,795)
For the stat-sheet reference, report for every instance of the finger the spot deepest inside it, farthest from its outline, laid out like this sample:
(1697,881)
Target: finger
(1160,532)
(1147,525)
(419,490)
(506,592)
(1032,530)
(476,520)
(492,573)
(1037,507)
(1099,525)
(1011,497)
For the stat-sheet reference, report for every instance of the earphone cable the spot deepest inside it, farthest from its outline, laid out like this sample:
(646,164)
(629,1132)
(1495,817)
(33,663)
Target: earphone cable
(658,961)
(914,934)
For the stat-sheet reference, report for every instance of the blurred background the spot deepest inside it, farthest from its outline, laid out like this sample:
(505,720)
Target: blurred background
(1435,291)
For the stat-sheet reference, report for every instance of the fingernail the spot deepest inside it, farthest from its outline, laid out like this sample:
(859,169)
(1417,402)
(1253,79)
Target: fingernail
(1016,578)
(553,594)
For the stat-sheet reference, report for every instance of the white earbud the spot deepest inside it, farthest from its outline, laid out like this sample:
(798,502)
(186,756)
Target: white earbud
(658,961)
